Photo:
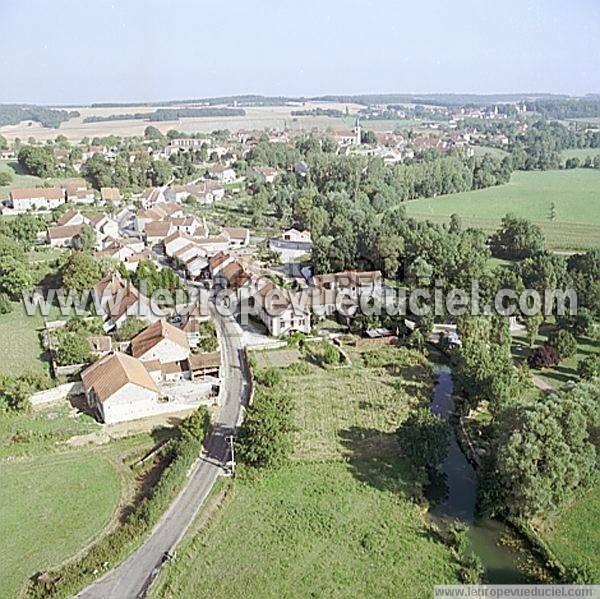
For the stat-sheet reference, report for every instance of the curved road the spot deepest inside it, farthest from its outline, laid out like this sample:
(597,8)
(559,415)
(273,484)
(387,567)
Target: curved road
(134,576)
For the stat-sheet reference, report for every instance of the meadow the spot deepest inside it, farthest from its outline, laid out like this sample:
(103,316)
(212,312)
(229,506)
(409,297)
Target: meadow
(575,194)
(306,523)
(573,534)
(51,507)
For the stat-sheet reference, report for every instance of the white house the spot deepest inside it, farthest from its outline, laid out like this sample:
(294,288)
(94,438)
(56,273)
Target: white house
(223,174)
(38,198)
(119,388)
(238,236)
(72,217)
(161,342)
(63,236)
(263,173)
(296,236)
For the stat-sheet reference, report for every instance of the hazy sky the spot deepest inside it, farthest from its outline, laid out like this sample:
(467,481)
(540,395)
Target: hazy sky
(71,51)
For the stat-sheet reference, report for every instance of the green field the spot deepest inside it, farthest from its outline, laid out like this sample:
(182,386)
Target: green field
(573,535)
(575,193)
(341,520)
(50,507)
(20,344)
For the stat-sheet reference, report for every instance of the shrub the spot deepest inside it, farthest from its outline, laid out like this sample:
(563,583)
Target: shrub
(5,304)
(265,440)
(545,356)
(131,328)
(269,377)
(71,348)
(564,343)
(589,367)
(331,354)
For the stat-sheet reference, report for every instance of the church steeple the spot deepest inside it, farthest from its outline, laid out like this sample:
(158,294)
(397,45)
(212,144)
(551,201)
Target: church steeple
(357,130)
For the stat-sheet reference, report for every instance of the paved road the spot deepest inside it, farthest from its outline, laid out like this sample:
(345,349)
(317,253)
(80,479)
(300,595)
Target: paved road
(134,576)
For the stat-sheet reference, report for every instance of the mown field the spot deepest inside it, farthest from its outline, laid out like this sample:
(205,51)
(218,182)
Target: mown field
(581,153)
(50,507)
(575,193)
(340,520)
(573,535)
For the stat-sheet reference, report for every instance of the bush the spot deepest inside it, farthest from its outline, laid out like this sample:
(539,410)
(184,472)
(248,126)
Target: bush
(5,304)
(265,439)
(132,327)
(71,348)
(423,438)
(545,356)
(564,343)
(589,367)
(270,377)
(331,354)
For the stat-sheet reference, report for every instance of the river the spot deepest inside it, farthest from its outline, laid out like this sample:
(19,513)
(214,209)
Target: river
(500,562)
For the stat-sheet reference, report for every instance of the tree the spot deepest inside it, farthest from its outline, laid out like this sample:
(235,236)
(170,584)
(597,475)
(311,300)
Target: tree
(15,277)
(132,327)
(545,356)
(424,438)
(71,348)
(564,343)
(86,240)
(533,324)
(37,161)
(81,271)
(265,439)
(589,367)
(5,178)
(516,239)
(542,453)
(151,132)
(23,228)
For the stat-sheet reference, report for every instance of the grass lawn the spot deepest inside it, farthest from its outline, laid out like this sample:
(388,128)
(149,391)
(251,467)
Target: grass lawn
(340,520)
(20,345)
(276,358)
(575,193)
(567,370)
(573,535)
(50,507)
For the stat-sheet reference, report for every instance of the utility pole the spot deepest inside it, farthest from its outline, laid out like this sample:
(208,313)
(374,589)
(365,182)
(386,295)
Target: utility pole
(230,438)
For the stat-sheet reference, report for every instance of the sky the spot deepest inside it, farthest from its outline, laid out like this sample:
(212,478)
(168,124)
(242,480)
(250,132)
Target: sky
(73,51)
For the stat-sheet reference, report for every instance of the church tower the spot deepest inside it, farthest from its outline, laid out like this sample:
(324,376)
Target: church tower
(357,131)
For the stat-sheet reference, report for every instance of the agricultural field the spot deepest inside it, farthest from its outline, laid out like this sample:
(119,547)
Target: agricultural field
(575,194)
(572,534)
(566,371)
(257,117)
(50,508)
(307,520)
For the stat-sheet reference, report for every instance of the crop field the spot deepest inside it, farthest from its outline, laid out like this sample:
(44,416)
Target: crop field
(259,117)
(307,521)
(573,535)
(50,507)
(575,194)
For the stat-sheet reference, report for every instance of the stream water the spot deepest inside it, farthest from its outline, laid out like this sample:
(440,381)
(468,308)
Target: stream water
(460,494)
